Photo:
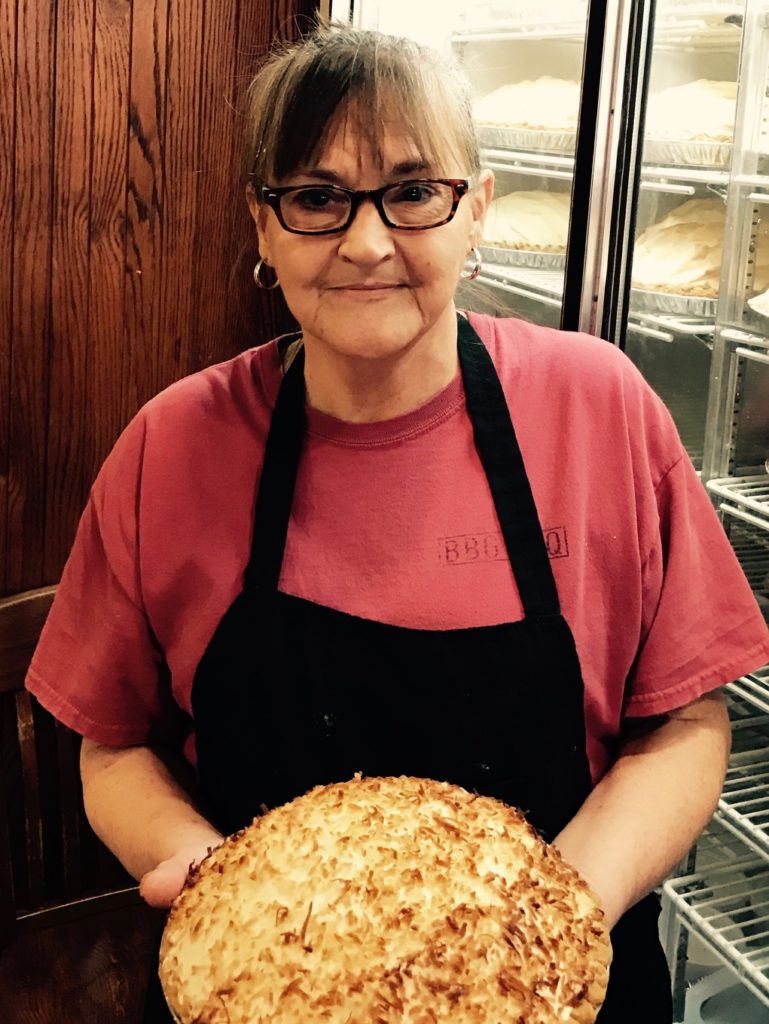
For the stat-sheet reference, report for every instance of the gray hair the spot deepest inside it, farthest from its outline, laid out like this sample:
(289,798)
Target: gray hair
(341,75)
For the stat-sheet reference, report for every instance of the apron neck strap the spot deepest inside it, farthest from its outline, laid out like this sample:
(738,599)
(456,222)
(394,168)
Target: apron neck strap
(500,455)
(278,479)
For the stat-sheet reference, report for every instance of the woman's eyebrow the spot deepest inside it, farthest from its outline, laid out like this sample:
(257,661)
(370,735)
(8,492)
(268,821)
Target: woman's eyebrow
(406,167)
(318,172)
(399,170)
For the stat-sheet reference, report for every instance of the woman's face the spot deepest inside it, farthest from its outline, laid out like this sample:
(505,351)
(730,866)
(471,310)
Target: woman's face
(372,291)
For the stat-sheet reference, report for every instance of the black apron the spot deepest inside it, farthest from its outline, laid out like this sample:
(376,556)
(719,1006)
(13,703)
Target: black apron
(290,694)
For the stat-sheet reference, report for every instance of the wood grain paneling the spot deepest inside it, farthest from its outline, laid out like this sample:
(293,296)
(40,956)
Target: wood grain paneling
(70,453)
(105,341)
(256,33)
(217,175)
(125,240)
(144,210)
(7,168)
(181,170)
(30,293)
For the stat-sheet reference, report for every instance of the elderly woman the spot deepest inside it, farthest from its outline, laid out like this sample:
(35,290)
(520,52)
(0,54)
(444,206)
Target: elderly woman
(404,541)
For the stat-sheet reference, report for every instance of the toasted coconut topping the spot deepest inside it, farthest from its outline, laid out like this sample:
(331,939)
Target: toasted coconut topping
(385,901)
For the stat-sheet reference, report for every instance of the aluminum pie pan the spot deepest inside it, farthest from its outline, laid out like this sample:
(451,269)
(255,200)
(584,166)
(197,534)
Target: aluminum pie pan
(510,137)
(171,1012)
(522,258)
(692,153)
(665,302)
(174,1018)
(760,304)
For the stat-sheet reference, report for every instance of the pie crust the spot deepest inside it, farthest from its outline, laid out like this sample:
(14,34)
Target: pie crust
(384,900)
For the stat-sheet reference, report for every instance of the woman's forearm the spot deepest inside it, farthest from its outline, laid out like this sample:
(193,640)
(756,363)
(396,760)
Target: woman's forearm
(649,808)
(140,809)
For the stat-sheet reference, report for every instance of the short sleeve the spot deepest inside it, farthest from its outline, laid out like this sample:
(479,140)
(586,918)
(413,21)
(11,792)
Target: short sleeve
(97,666)
(702,624)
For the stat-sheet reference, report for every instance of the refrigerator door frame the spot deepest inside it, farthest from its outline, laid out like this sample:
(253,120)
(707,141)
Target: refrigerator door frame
(731,334)
(607,167)
(592,168)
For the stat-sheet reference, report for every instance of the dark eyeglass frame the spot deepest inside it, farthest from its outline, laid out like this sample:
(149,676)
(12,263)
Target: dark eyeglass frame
(459,186)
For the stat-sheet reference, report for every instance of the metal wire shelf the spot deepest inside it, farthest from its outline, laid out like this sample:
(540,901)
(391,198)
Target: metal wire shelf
(574,30)
(546,286)
(698,25)
(488,21)
(702,24)
(749,536)
(749,492)
(744,803)
(727,906)
(743,808)
(543,286)
(753,688)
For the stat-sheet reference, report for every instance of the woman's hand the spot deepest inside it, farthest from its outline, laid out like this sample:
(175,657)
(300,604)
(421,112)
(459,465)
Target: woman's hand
(160,886)
(138,803)
(651,805)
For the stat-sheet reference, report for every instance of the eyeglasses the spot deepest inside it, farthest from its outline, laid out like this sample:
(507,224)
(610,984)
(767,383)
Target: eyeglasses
(415,205)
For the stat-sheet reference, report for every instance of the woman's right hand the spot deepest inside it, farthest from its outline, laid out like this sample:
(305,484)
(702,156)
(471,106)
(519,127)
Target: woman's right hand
(140,809)
(160,886)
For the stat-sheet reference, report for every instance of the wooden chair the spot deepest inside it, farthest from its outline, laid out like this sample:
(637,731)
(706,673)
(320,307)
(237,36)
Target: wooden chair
(76,941)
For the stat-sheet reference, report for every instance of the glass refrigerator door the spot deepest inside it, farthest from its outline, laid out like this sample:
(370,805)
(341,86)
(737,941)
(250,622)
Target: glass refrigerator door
(524,60)
(676,260)
(736,464)
(697,326)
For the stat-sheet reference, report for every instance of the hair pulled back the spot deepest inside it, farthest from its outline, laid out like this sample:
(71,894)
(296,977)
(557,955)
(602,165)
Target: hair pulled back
(361,79)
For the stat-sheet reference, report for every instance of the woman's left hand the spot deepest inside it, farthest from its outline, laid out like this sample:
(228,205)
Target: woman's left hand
(652,804)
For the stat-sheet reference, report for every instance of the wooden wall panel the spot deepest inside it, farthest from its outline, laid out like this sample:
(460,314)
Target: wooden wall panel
(285,19)
(126,244)
(217,175)
(105,339)
(70,451)
(181,170)
(7,136)
(144,209)
(30,293)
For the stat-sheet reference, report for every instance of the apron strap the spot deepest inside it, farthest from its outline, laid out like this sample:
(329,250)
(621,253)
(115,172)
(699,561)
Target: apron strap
(276,485)
(500,455)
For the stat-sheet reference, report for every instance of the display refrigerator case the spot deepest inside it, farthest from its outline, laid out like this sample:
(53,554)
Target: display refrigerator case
(630,145)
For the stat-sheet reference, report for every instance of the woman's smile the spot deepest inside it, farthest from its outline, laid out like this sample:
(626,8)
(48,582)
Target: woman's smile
(362,292)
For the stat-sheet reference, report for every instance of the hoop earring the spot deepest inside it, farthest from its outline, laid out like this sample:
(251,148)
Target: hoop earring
(257,277)
(471,273)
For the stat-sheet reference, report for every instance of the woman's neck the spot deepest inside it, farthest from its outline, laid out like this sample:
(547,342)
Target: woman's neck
(365,390)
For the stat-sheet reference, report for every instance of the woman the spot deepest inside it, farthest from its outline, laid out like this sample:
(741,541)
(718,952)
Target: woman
(329,554)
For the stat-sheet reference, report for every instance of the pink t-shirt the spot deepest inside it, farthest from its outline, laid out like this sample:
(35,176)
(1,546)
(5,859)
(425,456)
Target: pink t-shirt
(393,521)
